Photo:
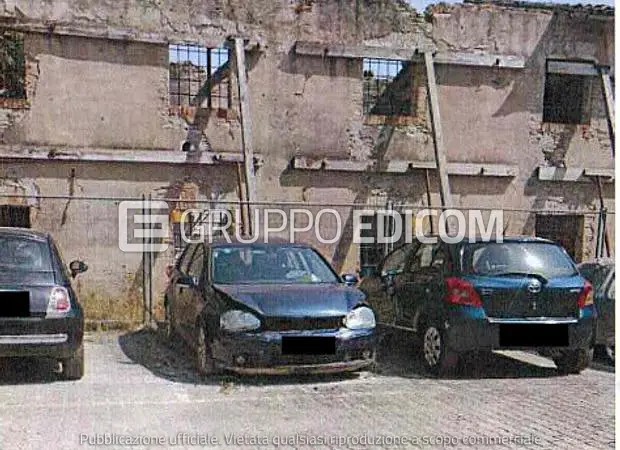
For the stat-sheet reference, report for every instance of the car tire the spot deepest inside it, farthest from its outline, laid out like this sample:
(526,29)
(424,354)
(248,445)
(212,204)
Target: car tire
(610,353)
(205,364)
(573,361)
(73,367)
(438,359)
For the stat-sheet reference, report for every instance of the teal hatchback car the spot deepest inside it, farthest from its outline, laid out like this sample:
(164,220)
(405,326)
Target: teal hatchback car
(520,293)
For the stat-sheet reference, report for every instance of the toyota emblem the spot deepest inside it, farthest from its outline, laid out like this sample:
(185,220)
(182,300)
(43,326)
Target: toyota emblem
(535,286)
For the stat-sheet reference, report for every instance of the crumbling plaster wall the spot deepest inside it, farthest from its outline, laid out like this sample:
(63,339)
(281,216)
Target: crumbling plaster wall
(113,93)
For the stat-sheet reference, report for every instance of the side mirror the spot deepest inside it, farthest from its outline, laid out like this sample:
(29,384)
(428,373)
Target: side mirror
(350,279)
(76,267)
(189,281)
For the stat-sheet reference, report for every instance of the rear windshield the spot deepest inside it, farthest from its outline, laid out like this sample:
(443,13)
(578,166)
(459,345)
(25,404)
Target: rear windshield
(517,258)
(24,255)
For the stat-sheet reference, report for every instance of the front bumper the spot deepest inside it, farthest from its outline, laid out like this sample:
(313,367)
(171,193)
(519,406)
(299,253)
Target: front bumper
(40,337)
(483,333)
(261,353)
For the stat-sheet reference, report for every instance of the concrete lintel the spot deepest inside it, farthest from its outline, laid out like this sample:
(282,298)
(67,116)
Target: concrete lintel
(574,174)
(112,33)
(402,166)
(407,54)
(572,68)
(125,156)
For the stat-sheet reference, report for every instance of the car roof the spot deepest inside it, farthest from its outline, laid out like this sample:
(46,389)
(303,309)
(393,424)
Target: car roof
(234,240)
(26,233)
(601,262)
(509,239)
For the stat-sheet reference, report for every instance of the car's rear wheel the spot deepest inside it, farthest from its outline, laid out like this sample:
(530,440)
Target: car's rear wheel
(205,364)
(573,361)
(438,358)
(73,367)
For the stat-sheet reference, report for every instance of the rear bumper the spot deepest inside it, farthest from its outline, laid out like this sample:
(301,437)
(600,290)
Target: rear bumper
(469,334)
(39,337)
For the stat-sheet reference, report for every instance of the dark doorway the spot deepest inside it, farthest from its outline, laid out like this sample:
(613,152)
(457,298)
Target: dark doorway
(14,216)
(566,230)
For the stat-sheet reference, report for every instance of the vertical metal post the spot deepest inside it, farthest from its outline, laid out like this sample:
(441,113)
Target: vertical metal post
(144,264)
(600,230)
(246,131)
(150,266)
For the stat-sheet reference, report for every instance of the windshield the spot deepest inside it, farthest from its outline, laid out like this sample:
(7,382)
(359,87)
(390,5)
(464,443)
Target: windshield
(24,255)
(270,264)
(508,258)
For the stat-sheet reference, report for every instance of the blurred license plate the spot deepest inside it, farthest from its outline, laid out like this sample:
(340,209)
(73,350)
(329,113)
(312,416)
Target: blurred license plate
(14,304)
(533,335)
(308,345)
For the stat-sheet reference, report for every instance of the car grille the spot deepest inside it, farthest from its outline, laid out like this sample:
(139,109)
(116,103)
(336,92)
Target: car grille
(301,323)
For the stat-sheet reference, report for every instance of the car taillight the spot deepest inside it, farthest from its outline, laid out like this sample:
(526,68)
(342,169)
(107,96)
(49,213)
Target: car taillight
(461,292)
(59,301)
(587,295)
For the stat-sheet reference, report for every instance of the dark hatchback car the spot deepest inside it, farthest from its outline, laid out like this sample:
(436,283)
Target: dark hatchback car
(602,274)
(522,293)
(39,312)
(274,308)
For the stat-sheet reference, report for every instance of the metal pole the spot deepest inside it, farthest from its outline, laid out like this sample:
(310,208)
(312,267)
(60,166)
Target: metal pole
(150,268)
(144,263)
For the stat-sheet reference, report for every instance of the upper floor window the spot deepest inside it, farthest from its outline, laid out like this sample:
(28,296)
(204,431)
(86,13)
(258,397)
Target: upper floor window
(12,66)
(568,92)
(388,87)
(199,76)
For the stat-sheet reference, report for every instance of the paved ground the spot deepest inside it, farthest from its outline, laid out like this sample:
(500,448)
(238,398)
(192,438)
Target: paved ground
(140,388)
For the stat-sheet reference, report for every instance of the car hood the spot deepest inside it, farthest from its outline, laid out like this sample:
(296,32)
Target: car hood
(320,300)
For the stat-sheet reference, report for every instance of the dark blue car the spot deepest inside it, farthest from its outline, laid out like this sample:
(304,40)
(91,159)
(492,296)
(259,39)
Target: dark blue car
(521,293)
(267,309)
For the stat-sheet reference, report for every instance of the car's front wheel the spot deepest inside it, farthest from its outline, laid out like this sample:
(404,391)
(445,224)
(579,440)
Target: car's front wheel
(573,361)
(438,358)
(73,367)
(204,359)
(610,351)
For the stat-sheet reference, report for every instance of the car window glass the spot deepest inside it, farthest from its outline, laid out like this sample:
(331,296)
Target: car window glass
(61,261)
(548,260)
(186,258)
(195,268)
(270,264)
(26,255)
(395,262)
(439,256)
(422,258)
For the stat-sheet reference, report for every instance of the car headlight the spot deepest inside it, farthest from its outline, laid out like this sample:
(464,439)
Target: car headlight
(236,320)
(360,318)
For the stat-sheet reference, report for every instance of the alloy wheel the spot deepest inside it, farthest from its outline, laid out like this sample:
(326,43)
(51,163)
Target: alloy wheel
(432,346)
(610,350)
